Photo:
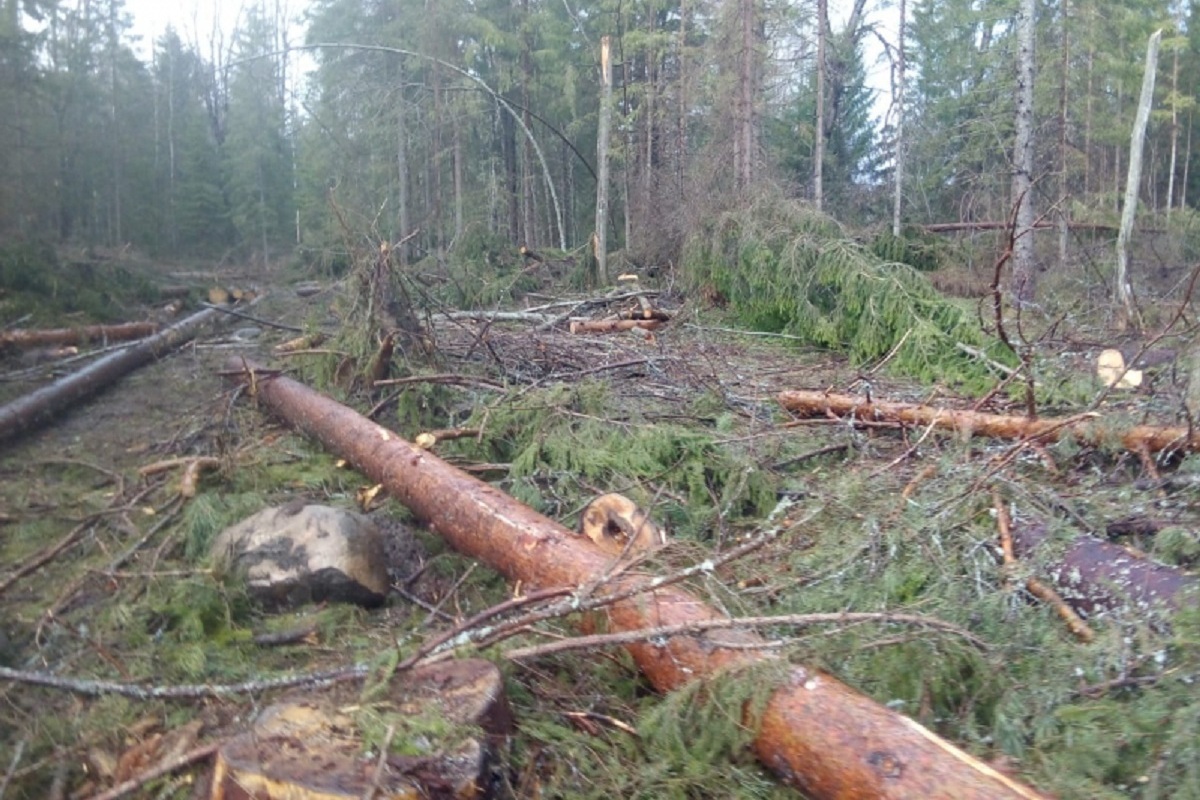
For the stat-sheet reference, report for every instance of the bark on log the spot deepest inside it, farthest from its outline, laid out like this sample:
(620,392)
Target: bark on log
(1095,576)
(1088,430)
(127,331)
(29,411)
(816,733)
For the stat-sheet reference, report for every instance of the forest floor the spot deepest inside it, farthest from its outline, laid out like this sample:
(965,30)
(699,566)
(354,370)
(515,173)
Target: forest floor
(686,422)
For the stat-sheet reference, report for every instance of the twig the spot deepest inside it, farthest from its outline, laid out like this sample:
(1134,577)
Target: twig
(97,688)
(47,555)
(699,626)
(464,628)
(377,778)
(250,318)
(168,514)
(769,334)
(453,590)
(982,356)
(587,598)
(462,380)
(1040,590)
(165,768)
(820,451)
(18,752)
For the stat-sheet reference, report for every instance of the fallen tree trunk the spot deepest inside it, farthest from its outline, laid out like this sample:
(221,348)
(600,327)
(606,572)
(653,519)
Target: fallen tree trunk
(613,325)
(1003,225)
(1088,429)
(1095,576)
(126,331)
(29,411)
(816,733)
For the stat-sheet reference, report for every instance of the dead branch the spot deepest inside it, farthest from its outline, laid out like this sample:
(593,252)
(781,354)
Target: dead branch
(46,555)
(461,380)
(997,225)
(165,768)
(233,312)
(95,688)
(1041,591)
(783,620)
(1085,428)
(166,516)
(815,731)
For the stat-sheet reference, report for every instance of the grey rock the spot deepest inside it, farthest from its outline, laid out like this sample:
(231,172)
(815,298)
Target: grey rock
(296,554)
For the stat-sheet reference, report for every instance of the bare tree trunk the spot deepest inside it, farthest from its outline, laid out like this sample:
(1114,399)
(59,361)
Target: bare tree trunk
(1064,216)
(745,138)
(819,128)
(1187,162)
(511,176)
(528,203)
(1023,145)
(402,181)
(681,155)
(456,132)
(115,229)
(1174,131)
(600,236)
(898,189)
(1129,315)
(1087,119)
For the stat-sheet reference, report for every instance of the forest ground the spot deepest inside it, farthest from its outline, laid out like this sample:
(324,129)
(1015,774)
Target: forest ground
(894,520)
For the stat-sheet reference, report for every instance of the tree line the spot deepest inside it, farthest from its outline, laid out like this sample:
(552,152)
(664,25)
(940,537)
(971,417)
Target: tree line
(451,125)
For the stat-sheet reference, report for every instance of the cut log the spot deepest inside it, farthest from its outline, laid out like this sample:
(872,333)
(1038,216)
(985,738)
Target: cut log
(613,325)
(125,332)
(1090,429)
(816,733)
(28,412)
(1095,576)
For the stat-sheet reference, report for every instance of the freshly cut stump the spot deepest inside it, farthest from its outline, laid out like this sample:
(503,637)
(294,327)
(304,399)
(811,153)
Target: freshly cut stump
(446,717)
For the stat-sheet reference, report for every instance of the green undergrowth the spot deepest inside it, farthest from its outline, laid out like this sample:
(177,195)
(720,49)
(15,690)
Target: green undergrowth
(563,449)
(691,743)
(1019,698)
(35,281)
(783,267)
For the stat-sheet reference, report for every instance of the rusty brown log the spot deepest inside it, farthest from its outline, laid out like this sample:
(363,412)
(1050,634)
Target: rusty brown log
(1094,576)
(26,338)
(1089,429)
(816,733)
(613,325)
(29,411)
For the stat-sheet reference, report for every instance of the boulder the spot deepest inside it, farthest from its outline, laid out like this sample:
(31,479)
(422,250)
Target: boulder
(299,554)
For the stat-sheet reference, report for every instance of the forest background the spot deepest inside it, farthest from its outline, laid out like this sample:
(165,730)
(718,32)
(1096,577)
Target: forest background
(474,125)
